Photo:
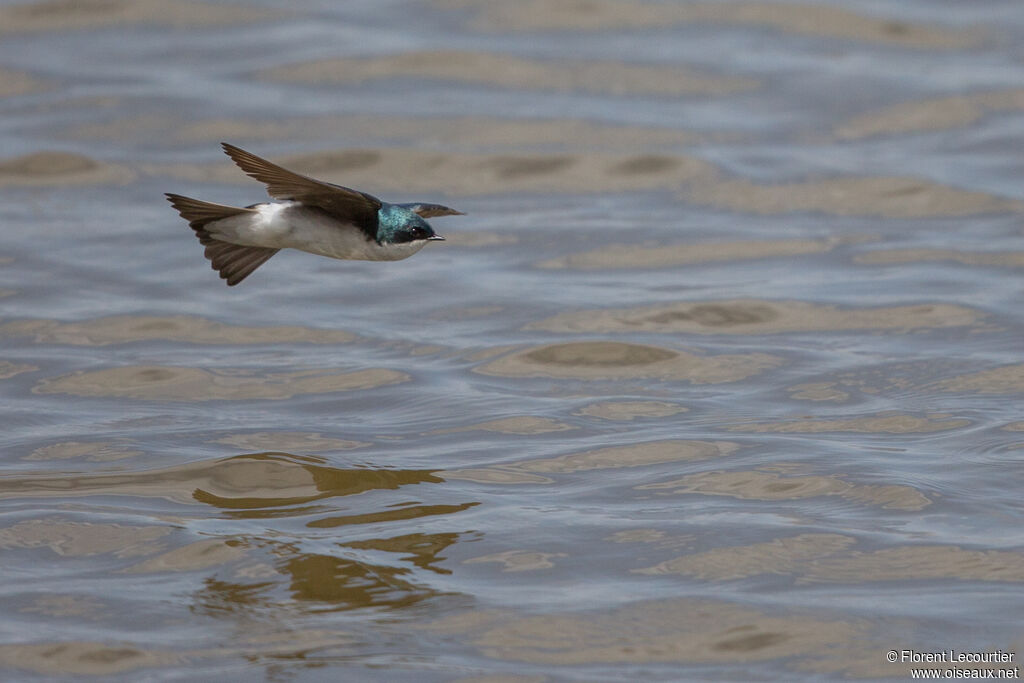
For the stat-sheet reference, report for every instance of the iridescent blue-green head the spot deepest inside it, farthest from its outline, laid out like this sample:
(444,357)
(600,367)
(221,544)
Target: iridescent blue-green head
(401,225)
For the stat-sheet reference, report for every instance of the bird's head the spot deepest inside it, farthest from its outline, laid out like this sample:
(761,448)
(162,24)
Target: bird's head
(400,225)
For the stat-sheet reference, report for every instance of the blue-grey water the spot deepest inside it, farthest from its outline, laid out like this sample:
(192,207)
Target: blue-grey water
(719,378)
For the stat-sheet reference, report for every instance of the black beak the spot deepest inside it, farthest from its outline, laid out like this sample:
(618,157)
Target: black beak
(435,238)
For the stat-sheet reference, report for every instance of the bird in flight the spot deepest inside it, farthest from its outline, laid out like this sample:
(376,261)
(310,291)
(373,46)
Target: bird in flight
(310,215)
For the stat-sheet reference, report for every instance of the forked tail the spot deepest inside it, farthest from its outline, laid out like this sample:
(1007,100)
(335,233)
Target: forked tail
(234,262)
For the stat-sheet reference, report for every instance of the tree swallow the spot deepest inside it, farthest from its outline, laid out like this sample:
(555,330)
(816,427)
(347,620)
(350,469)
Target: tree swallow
(313,215)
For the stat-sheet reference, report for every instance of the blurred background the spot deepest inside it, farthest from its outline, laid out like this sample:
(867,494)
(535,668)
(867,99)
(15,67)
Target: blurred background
(719,378)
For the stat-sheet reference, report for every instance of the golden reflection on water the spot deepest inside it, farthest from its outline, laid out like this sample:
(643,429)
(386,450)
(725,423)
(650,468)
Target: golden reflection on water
(260,480)
(320,582)
(248,482)
(251,570)
(251,486)
(334,583)
(402,513)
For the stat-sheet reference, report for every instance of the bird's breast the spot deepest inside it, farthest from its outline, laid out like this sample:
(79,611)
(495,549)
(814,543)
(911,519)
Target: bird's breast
(320,233)
(311,230)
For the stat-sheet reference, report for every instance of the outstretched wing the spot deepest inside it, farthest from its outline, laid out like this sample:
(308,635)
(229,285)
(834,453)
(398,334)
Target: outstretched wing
(342,203)
(431,210)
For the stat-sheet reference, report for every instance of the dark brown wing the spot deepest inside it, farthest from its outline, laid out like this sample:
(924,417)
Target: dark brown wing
(342,203)
(431,210)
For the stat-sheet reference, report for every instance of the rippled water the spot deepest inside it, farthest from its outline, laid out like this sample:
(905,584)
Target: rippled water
(719,378)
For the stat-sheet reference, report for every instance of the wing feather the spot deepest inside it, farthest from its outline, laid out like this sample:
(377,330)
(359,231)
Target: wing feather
(431,210)
(235,262)
(343,203)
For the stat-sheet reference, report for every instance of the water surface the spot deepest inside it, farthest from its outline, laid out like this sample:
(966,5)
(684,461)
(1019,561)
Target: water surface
(719,378)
